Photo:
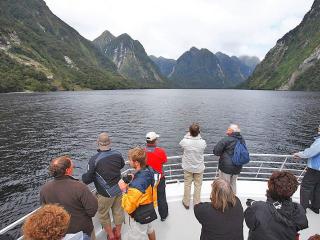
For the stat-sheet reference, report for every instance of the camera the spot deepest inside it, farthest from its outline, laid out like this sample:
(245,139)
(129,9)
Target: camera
(249,202)
(127,178)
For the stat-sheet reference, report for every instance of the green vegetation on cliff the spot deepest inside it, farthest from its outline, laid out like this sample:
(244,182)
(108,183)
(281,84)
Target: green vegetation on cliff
(294,62)
(37,41)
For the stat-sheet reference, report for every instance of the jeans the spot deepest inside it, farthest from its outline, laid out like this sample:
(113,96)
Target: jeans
(162,199)
(310,189)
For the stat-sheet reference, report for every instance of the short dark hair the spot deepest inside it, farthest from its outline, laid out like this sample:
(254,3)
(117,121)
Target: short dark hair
(282,185)
(138,154)
(194,129)
(59,166)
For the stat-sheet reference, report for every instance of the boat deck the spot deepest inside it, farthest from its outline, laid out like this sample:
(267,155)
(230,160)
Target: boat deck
(182,224)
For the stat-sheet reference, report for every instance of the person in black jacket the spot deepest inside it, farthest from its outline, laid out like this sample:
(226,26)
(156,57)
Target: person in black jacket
(278,218)
(104,170)
(222,218)
(225,149)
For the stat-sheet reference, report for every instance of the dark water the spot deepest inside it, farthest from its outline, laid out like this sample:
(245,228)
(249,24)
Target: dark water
(34,128)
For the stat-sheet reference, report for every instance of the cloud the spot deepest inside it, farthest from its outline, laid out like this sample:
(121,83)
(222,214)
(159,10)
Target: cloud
(170,27)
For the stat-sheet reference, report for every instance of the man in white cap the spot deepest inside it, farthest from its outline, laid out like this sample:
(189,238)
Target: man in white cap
(156,157)
(310,186)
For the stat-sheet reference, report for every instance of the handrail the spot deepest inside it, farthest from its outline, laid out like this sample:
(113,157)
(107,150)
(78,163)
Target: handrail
(20,221)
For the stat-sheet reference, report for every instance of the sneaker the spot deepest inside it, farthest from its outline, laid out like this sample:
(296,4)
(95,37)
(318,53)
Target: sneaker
(185,206)
(117,236)
(164,218)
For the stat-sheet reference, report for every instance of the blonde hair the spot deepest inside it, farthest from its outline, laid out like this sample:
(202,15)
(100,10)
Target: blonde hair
(49,222)
(222,195)
(138,154)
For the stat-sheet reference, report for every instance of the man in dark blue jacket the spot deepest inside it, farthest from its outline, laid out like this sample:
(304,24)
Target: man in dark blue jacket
(225,149)
(104,170)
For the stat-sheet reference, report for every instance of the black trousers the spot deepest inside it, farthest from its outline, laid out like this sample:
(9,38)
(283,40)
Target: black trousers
(310,189)
(162,199)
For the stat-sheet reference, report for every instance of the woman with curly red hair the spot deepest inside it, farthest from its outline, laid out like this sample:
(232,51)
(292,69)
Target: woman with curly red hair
(278,217)
(49,222)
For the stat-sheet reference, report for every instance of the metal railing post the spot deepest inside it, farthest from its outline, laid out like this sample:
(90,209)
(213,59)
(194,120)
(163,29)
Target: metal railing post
(282,165)
(259,169)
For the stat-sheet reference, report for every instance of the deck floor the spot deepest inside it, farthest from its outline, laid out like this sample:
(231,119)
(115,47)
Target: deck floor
(182,224)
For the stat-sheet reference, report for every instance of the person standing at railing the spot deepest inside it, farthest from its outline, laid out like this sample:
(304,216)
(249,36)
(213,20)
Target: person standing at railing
(310,186)
(104,170)
(278,218)
(71,194)
(139,198)
(156,157)
(192,163)
(222,217)
(225,149)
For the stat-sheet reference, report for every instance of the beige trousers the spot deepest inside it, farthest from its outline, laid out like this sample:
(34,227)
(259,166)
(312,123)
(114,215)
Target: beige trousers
(196,178)
(232,179)
(105,205)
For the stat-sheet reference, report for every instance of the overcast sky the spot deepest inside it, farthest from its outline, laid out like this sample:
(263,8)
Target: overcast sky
(170,27)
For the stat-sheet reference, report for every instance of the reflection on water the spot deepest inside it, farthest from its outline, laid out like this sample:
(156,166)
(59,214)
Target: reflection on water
(36,127)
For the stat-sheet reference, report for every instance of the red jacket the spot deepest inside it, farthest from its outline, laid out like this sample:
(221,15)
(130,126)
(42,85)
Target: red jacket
(156,157)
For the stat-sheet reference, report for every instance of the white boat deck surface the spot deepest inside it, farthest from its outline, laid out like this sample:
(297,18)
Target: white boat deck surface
(182,224)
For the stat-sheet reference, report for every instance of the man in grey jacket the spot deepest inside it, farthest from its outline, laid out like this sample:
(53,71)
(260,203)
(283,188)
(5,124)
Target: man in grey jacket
(225,149)
(192,163)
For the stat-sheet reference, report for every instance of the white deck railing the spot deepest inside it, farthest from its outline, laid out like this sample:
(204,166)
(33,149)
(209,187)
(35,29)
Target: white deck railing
(259,168)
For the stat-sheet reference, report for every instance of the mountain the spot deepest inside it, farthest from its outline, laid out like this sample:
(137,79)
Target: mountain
(203,69)
(294,62)
(131,59)
(234,69)
(164,64)
(250,61)
(102,41)
(40,52)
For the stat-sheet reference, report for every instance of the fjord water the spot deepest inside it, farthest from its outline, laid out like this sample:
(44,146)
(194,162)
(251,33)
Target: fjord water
(36,127)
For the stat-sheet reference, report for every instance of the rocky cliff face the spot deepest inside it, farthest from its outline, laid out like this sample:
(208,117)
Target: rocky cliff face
(164,64)
(46,54)
(131,60)
(294,62)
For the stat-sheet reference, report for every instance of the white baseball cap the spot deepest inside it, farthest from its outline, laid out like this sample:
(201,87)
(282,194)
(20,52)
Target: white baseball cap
(151,136)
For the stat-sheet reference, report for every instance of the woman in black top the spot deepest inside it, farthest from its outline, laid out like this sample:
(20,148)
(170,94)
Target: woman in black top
(278,218)
(222,218)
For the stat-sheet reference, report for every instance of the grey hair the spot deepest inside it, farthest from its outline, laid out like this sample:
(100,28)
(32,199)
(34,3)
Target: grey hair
(235,127)
(104,139)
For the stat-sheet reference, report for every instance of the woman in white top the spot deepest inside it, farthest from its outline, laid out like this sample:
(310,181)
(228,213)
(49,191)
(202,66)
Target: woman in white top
(192,163)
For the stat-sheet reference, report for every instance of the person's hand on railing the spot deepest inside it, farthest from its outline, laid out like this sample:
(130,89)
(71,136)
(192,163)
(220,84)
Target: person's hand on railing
(296,156)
